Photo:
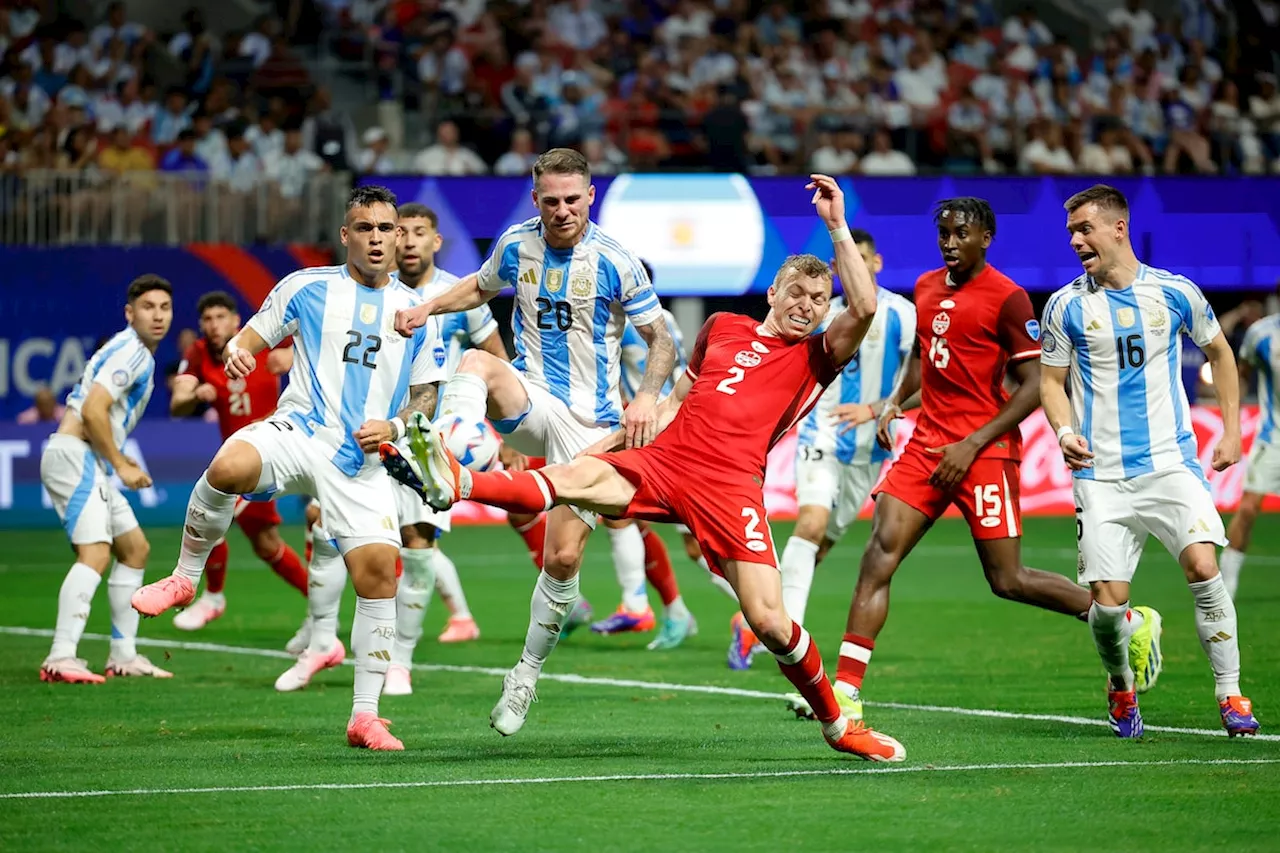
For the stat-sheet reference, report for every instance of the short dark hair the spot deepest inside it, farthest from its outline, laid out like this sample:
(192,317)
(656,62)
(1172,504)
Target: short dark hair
(414,210)
(859,237)
(368,195)
(147,283)
(977,209)
(1107,198)
(561,161)
(216,299)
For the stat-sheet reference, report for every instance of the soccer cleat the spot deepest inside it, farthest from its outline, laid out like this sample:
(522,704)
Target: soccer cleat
(308,664)
(1144,650)
(867,744)
(460,629)
(397,681)
(1237,716)
(369,731)
(69,671)
(673,633)
(623,621)
(513,706)
(579,616)
(204,611)
(441,472)
(797,704)
(1123,714)
(155,598)
(743,645)
(401,470)
(138,665)
(298,642)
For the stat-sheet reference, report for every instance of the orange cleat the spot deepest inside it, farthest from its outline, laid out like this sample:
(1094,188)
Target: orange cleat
(369,731)
(867,744)
(155,598)
(461,629)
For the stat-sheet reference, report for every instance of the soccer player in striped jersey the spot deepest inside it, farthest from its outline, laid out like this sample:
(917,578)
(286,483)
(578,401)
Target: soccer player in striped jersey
(353,382)
(1125,430)
(76,467)
(1260,351)
(575,287)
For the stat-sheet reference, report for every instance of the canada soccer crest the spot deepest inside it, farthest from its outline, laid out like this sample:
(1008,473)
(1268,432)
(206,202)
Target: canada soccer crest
(941,322)
(747,358)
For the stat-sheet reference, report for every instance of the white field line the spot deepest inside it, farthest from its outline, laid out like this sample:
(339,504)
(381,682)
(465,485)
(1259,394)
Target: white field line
(637,777)
(599,681)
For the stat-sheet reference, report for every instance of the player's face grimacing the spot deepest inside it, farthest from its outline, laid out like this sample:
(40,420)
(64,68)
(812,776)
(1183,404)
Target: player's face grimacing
(797,305)
(419,242)
(217,324)
(370,237)
(1095,236)
(564,202)
(150,315)
(962,240)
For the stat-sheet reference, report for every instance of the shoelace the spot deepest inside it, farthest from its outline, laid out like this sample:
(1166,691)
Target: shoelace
(519,697)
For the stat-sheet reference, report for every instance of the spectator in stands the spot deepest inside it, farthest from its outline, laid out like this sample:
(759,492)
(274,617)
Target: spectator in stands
(1185,135)
(1107,154)
(967,132)
(374,159)
(45,409)
(182,156)
(1264,111)
(237,185)
(131,171)
(330,133)
(289,173)
(447,156)
(210,143)
(883,159)
(1045,153)
(835,155)
(519,158)
(116,26)
(173,119)
(576,24)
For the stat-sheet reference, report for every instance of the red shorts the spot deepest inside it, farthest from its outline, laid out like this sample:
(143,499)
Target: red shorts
(987,497)
(256,516)
(727,519)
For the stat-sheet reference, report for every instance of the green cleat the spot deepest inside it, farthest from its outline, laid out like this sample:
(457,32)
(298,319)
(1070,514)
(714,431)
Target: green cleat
(798,705)
(1144,650)
(580,615)
(673,633)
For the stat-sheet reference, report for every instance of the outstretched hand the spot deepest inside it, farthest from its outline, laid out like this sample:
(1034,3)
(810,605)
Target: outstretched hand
(828,198)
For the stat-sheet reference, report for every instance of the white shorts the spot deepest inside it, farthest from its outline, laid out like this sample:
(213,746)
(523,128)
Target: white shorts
(356,510)
(823,480)
(1114,518)
(1262,469)
(91,508)
(548,429)
(411,510)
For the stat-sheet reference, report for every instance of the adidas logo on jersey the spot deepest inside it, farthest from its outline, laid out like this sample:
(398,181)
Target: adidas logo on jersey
(529,277)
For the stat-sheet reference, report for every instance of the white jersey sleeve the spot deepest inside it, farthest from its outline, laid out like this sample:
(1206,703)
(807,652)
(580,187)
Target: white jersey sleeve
(635,291)
(480,325)
(278,317)
(1198,319)
(503,264)
(125,369)
(1055,344)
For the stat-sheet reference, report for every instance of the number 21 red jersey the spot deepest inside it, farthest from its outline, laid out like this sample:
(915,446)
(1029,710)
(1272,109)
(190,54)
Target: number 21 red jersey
(240,402)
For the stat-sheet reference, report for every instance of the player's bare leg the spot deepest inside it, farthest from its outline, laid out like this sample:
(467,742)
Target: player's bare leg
(633,613)
(1239,533)
(1011,580)
(760,593)
(413,593)
(270,548)
(373,633)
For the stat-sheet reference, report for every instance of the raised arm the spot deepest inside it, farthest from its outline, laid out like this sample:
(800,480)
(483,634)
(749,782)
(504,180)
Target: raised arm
(640,420)
(848,328)
(240,353)
(465,294)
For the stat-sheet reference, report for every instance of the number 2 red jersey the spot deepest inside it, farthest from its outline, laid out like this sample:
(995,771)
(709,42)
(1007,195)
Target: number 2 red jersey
(749,388)
(968,336)
(240,402)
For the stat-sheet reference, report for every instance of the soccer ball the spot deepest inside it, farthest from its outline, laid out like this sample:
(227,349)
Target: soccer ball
(473,443)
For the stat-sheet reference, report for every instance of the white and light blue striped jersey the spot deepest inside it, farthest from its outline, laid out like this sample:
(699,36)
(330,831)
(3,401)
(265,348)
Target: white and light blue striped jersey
(126,369)
(1124,355)
(462,329)
(571,305)
(349,365)
(1261,348)
(870,375)
(635,356)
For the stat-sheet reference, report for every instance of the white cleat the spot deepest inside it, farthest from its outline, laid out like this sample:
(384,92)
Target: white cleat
(298,644)
(441,473)
(309,663)
(513,706)
(205,610)
(397,682)
(138,665)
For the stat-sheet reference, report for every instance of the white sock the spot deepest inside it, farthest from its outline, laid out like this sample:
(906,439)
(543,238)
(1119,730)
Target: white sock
(450,586)
(122,583)
(1216,625)
(628,564)
(678,610)
(721,584)
(551,605)
(413,594)
(373,632)
(209,514)
(74,600)
(1111,629)
(1230,564)
(327,578)
(798,561)
(466,395)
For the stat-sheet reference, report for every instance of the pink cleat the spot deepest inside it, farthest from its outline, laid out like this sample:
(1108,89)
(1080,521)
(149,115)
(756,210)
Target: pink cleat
(397,681)
(69,671)
(155,598)
(460,629)
(205,610)
(368,730)
(138,665)
(309,663)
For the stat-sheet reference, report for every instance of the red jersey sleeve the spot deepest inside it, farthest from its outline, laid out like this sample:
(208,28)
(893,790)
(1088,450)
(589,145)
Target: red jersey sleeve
(1017,327)
(700,348)
(192,361)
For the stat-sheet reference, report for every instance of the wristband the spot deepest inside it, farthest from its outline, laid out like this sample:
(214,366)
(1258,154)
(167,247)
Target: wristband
(841,233)
(1064,431)
(397,428)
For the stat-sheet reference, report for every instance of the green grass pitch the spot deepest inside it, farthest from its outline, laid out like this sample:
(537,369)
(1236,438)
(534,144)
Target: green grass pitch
(700,770)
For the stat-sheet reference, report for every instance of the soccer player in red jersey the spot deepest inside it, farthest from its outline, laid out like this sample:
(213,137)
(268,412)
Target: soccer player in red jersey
(238,403)
(746,385)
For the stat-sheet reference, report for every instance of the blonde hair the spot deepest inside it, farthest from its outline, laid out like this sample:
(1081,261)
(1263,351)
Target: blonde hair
(809,266)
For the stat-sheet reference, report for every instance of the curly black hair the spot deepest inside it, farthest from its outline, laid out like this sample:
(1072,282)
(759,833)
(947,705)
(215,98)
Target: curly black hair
(973,209)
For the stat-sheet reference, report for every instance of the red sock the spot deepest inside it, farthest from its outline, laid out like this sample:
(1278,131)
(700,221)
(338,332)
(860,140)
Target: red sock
(534,534)
(515,491)
(657,567)
(287,565)
(399,568)
(215,568)
(801,663)
(855,654)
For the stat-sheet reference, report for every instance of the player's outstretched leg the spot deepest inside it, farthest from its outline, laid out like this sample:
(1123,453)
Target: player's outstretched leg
(413,594)
(677,622)
(634,613)
(373,634)
(1219,636)
(323,650)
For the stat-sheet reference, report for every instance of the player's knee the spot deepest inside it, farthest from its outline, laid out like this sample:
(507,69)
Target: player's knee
(478,363)
(691,549)
(1005,584)
(811,527)
(1201,567)
(266,545)
(562,561)
(880,559)
(770,623)
(136,553)
(235,470)
(96,556)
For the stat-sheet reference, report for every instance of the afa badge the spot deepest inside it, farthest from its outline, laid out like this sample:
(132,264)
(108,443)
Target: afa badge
(120,378)
(580,286)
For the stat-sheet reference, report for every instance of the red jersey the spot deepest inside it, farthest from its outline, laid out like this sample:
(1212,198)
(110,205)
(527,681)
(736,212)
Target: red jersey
(240,402)
(968,336)
(749,389)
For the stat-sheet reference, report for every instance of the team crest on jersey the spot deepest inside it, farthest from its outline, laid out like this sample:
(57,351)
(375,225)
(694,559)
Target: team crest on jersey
(941,322)
(368,313)
(873,334)
(1048,343)
(1033,330)
(555,281)
(1156,318)
(580,286)
(1124,317)
(120,378)
(440,355)
(747,358)
(235,386)
(759,347)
